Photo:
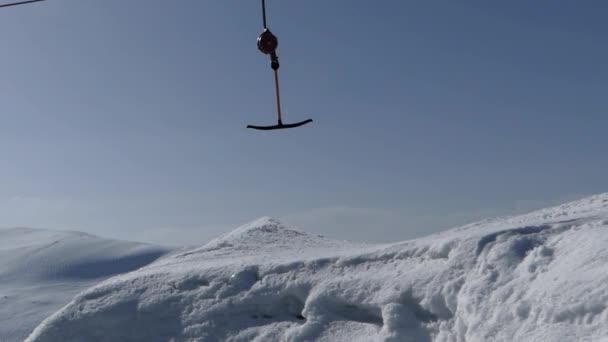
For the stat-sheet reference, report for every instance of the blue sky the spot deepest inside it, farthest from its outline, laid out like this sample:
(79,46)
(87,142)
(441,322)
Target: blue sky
(127,118)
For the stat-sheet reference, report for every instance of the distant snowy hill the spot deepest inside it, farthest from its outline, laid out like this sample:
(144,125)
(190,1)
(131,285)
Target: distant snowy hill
(42,270)
(536,277)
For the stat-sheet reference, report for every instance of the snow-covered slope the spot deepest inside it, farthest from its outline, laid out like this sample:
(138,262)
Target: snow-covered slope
(42,270)
(537,277)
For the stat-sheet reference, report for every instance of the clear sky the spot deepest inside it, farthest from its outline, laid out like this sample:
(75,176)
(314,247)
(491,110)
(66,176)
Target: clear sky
(127,118)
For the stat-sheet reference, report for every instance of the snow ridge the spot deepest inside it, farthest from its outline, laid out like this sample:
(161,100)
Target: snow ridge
(41,270)
(537,277)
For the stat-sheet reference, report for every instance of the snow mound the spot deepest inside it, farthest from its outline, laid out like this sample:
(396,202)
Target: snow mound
(263,231)
(265,236)
(536,277)
(42,270)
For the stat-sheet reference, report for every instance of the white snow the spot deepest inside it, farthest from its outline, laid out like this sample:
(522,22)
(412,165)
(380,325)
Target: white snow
(536,277)
(42,270)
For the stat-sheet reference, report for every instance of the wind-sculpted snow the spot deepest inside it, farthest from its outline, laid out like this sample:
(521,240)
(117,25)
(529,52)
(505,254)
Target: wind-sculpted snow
(42,270)
(537,277)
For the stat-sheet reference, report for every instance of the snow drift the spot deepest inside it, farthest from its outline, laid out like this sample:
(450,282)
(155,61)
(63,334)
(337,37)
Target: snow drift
(42,270)
(537,277)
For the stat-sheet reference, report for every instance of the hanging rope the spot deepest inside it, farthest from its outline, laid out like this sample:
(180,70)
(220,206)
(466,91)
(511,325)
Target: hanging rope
(264,13)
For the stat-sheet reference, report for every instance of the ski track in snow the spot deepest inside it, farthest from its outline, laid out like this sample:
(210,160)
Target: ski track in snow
(542,276)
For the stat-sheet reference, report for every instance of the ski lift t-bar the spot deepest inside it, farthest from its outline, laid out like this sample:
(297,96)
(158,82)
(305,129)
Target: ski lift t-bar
(20,3)
(267,44)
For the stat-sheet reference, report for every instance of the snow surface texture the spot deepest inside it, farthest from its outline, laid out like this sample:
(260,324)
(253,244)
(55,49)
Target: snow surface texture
(537,277)
(42,270)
